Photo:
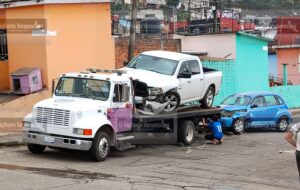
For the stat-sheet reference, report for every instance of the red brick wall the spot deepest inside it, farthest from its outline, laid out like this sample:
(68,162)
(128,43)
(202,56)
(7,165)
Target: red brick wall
(141,45)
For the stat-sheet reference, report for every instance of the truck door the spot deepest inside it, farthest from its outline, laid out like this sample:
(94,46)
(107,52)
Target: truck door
(120,115)
(197,80)
(184,84)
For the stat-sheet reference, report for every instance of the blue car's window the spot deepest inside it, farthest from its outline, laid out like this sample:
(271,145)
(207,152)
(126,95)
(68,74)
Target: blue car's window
(259,101)
(271,101)
(281,102)
(237,100)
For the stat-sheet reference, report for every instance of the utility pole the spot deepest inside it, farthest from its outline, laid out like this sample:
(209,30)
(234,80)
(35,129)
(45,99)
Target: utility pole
(215,12)
(132,30)
(292,1)
(189,17)
(174,20)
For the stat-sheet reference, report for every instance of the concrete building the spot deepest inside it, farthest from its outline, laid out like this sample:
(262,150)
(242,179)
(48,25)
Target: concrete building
(63,36)
(289,62)
(216,45)
(196,8)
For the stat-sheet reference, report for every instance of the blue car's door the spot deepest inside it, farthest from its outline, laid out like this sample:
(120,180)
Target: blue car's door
(273,107)
(257,112)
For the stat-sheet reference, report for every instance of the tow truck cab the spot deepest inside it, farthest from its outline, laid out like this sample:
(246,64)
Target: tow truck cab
(83,104)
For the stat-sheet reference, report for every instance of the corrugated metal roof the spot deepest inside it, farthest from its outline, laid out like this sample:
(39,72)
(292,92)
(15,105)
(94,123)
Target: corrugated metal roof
(23,71)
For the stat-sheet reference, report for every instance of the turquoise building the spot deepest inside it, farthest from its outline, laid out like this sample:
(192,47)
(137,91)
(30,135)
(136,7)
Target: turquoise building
(249,71)
(252,70)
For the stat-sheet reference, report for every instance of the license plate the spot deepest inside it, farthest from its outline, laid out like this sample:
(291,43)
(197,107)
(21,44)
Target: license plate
(49,139)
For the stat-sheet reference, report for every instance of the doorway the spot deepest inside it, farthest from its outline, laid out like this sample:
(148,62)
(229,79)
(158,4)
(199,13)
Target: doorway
(17,85)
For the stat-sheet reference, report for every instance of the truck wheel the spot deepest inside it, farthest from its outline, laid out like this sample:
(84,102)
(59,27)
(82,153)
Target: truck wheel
(101,146)
(35,148)
(208,99)
(282,124)
(186,132)
(174,101)
(238,126)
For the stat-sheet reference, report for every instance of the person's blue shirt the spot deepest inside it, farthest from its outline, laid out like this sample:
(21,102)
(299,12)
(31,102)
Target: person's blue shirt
(216,127)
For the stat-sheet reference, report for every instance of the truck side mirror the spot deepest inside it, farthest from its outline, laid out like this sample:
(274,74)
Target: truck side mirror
(53,86)
(185,74)
(254,106)
(125,63)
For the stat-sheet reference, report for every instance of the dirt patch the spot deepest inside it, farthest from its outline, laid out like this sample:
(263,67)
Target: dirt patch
(4,98)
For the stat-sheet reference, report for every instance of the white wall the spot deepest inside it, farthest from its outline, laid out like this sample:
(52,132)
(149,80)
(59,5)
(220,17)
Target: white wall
(216,45)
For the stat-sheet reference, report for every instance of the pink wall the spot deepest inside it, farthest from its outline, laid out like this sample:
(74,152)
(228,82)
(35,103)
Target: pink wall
(289,56)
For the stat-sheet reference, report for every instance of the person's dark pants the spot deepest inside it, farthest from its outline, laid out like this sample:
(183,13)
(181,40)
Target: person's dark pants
(298,161)
(211,137)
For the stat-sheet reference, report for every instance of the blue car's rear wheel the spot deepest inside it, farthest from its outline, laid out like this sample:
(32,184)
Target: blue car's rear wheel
(282,124)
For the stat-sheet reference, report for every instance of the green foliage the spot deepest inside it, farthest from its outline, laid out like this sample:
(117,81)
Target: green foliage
(182,16)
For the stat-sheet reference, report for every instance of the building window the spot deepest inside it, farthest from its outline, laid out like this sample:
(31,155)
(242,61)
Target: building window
(3,45)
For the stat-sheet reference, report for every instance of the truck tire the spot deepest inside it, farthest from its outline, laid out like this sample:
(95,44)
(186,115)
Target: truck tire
(208,99)
(173,97)
(282,124)
(100,147)
(186,132)
(35,148)
(238,126)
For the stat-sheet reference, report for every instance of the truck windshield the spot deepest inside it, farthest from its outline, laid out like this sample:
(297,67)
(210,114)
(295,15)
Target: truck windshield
(154,64)
(237,100)
(85,88)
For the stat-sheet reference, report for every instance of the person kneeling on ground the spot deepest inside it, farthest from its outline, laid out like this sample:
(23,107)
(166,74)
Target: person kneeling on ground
(216,137)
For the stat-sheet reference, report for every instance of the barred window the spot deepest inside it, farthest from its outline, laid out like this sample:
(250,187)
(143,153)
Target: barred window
(3,45)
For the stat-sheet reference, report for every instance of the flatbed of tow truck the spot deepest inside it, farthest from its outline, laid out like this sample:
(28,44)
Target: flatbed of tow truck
(170,128)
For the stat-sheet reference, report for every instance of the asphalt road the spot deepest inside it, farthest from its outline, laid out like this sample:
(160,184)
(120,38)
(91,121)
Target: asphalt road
(256,160)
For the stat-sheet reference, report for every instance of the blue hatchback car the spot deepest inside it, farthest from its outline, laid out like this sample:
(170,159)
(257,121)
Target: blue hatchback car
(255,110)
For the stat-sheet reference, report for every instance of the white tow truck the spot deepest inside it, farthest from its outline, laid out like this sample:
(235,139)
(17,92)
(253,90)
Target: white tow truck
(99,109)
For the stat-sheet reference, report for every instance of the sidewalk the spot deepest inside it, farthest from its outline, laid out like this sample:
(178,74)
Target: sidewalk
(9,139)
(295,111)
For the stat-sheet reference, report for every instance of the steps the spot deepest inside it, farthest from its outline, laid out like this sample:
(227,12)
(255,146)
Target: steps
(124,142)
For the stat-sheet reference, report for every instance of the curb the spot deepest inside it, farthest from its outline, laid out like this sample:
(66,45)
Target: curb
(11,143)
(295,111)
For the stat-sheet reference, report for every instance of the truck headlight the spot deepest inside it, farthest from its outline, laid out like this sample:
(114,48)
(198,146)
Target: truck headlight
(26,124)
(79,131)
(155,91)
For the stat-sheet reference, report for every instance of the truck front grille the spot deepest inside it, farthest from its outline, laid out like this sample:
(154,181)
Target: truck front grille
(52,116)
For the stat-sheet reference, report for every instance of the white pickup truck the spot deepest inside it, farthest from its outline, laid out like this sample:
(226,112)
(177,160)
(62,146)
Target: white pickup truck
(92,112)
(175,77)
